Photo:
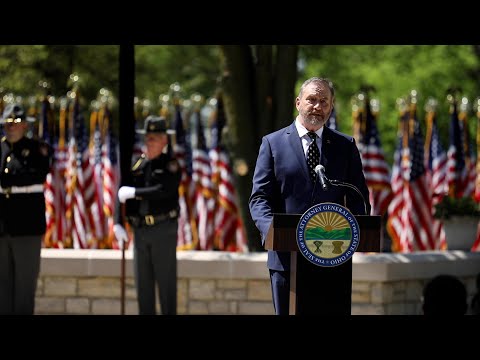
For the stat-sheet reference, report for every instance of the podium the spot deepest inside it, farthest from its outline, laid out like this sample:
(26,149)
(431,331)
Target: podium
(315,289)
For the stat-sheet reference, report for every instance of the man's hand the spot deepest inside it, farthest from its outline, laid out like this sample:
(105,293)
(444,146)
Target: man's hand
(120,234)
(125,193)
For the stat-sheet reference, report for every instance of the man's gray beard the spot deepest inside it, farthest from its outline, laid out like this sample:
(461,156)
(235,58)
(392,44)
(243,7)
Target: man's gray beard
(313,120)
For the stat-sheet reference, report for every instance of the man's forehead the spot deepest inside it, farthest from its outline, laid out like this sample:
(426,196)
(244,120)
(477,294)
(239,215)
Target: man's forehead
(318,88)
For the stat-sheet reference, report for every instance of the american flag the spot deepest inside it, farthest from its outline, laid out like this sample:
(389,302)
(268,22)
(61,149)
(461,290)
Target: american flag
(395,208)
(76,179)
(435,159)
(55,191)
(92,171)
(436,165)
(45,114)
(204,194)
(54,183)
(187,236)
(410,212)
(229,231)
(461,163)
(375,167)
(111,179)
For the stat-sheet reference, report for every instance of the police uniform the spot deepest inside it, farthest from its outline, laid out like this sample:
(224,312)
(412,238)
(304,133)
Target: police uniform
(153,216)
(24,166)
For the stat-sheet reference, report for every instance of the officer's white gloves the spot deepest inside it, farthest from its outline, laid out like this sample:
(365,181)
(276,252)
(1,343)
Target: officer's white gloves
(125,193)
(120,234)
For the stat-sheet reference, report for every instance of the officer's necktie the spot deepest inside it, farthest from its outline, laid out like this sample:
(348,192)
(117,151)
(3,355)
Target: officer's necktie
(313,155)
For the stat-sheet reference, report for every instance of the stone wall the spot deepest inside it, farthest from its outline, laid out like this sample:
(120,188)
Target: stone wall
(88,281)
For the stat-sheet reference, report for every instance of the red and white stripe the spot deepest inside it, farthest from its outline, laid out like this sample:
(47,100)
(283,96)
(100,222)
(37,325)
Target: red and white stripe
(377,176)
(229,232)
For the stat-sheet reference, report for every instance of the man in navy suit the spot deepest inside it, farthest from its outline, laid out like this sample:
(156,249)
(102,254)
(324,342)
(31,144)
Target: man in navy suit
(282,184)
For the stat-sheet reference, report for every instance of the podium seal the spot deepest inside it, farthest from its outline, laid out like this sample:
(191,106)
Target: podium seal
(328,234)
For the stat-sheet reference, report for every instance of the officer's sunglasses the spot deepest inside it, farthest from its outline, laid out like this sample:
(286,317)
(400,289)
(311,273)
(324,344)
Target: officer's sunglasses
(13,121)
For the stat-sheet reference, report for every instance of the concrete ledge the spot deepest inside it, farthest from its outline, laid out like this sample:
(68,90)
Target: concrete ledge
(192,264)
(214,282)
(420,265)
(224,265)
(70,262)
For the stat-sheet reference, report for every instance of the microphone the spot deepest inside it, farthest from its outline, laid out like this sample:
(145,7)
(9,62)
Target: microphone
(320,171)
(353,187)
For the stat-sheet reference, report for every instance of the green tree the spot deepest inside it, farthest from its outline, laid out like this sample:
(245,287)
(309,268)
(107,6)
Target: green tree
(394,70)
(259,83)
(258,87)
(19,67)
(195,67)
(23,66)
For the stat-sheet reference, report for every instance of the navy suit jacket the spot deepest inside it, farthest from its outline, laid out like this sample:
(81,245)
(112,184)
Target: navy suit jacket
(281,182)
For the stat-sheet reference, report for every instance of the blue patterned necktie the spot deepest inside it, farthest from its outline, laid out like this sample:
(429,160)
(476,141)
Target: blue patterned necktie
(313,155)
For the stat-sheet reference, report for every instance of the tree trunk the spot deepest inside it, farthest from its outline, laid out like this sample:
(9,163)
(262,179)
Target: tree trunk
(284,88)
(264,85)
(254,89)
(238,97)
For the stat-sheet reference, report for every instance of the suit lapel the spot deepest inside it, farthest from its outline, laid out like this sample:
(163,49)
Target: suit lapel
(297,148)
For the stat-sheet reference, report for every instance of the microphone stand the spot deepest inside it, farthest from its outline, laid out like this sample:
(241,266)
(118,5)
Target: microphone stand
(350,186)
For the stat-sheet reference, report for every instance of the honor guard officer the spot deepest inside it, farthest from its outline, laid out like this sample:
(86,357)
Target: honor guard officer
(152,210)
(24,166)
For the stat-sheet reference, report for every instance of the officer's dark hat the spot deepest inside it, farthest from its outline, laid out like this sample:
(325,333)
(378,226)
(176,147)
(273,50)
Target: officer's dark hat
(154,124)
(14,113)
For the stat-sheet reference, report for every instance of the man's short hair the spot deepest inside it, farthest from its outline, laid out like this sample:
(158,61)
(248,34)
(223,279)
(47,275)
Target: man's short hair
(326,81)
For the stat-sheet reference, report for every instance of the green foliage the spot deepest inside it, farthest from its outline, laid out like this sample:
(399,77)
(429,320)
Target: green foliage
(23,66)
(195,67)
(394,70)
(450,206)
(19,67)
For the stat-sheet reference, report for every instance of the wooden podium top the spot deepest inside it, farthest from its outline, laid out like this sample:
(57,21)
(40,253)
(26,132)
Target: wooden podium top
(282,233)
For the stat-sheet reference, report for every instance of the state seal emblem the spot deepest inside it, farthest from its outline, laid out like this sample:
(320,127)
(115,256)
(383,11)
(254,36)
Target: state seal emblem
(328,234)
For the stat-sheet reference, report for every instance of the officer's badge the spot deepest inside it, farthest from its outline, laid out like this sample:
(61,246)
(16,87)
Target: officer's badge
(173,166)
(25,152)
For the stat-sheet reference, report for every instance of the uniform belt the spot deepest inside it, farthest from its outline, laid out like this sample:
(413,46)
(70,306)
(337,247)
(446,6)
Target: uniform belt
(37,188)
(150,220)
